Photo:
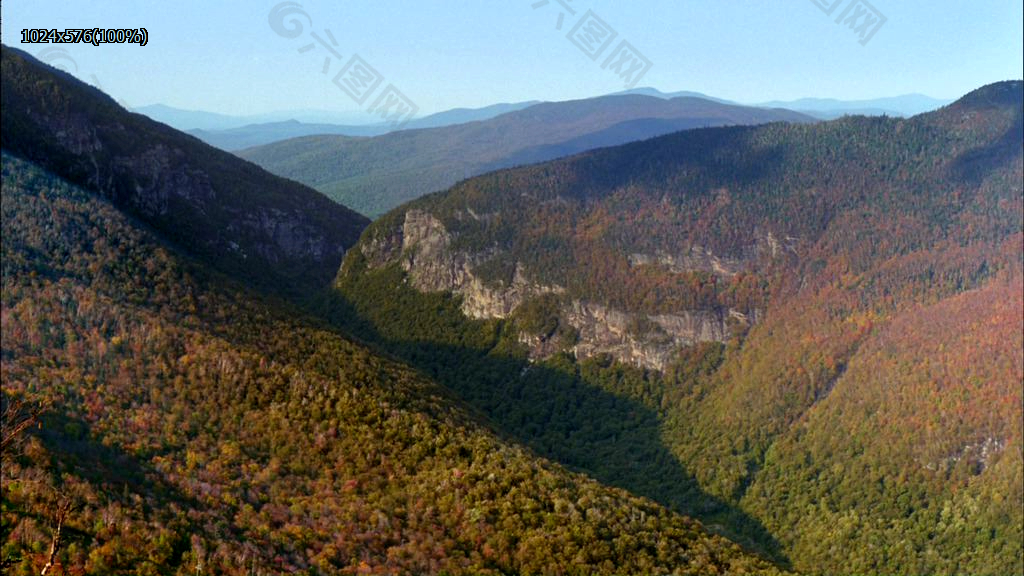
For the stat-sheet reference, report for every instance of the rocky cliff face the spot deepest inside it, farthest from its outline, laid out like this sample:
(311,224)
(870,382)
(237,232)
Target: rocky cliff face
(698,258)
(157,181)
(422,246)
(764,245)
(649,341)
(433,266)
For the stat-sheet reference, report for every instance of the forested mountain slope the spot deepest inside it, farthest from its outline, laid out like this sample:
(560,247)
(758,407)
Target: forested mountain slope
(192,422)
(192,426)
(373,175)
(812,331)
(229,211)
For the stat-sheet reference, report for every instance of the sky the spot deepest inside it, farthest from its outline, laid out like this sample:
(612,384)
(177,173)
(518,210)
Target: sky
(225,57)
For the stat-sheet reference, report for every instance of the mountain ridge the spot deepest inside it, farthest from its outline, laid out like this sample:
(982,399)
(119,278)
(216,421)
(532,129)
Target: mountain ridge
(904,105)
(259,134)
(219,206)
(238,133)
(376,174)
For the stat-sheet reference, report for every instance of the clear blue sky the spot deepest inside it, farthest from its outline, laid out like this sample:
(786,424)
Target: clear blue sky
(223,56)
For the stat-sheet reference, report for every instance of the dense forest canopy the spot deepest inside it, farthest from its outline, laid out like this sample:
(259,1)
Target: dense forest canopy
(867,421)
(192,425)
(184,392)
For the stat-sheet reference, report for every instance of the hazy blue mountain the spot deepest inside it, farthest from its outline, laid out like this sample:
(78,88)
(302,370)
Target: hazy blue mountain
(650,91)
(260,134)
(234,133)
(185,120)
(373,175)
(240,137)
(463,115)
(825,108)
(829,108)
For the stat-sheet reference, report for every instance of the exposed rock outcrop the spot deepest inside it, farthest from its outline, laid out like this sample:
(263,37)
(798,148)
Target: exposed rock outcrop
(433,266)
(649,341)
(698,258)
(423,247)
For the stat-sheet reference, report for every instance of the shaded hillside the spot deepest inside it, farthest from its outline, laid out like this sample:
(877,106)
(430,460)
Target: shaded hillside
(376,174)
(193,426)
(823,320)
(224,209)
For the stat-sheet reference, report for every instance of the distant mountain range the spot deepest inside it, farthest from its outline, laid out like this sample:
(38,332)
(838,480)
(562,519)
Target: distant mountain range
(654,92)
(828,108)
(351,123)
(185,120)
(250,135)
(233,133)
(373,175)
(463,115)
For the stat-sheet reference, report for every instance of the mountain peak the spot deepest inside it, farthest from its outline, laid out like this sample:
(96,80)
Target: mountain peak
(998,95)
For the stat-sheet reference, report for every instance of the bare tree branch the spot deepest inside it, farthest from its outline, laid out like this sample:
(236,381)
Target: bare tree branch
(16,416)
(63,510)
